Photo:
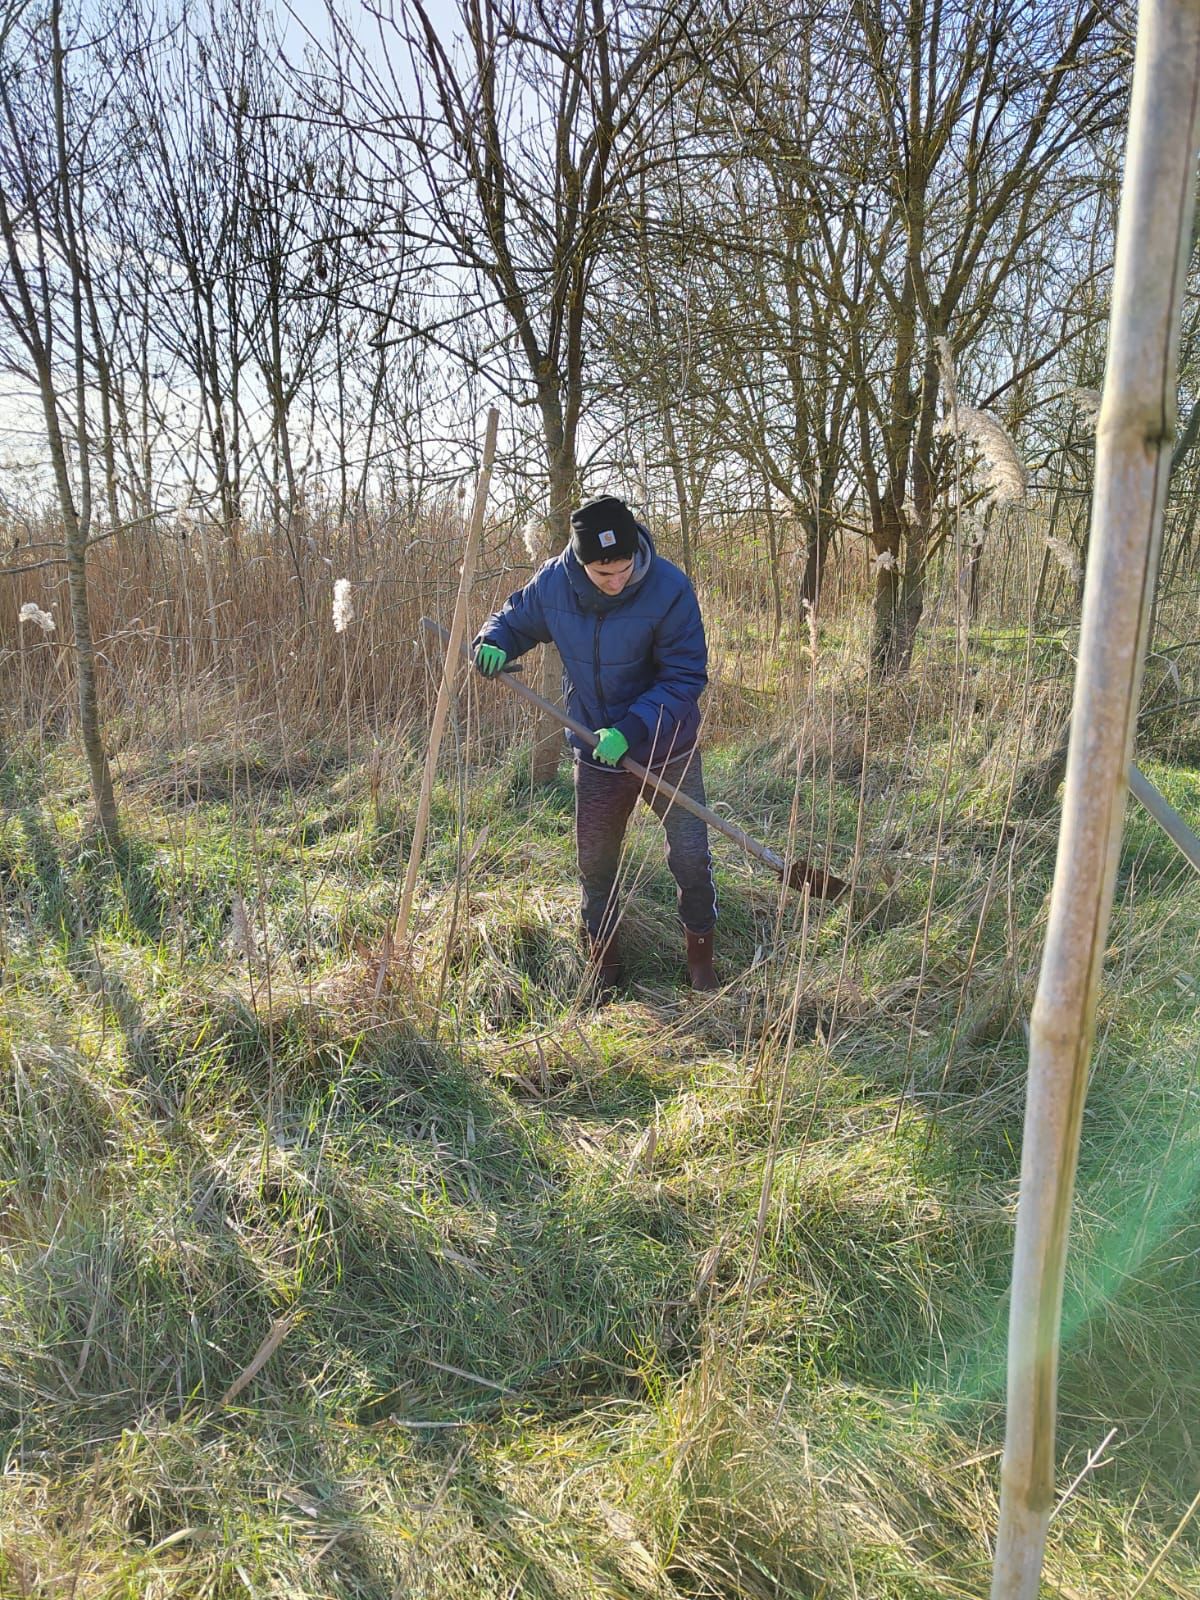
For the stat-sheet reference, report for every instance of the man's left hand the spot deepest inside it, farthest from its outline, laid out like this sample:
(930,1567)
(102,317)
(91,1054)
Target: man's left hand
(611,745)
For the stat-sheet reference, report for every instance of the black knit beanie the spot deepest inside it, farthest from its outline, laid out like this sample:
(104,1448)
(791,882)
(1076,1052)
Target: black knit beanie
(604,530)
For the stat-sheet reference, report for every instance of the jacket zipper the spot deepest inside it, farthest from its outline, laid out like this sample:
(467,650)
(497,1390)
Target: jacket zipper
(596,671)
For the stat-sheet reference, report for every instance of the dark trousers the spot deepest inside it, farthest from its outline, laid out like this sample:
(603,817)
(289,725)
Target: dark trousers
(604,801)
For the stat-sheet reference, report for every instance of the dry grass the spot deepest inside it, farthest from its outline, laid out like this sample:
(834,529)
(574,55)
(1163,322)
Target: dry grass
(195,628)
(680,1297)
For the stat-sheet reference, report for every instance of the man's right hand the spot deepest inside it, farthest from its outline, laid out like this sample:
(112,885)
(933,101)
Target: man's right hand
(490,659)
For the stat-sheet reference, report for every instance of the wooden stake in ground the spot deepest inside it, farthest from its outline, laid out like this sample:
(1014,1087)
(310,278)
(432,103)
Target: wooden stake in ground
(446,689)
(1133,457)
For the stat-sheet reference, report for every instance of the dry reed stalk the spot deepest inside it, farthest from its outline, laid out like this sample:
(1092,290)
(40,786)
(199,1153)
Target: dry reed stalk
(343,616)
(449,673)
(141,605)
(766,1188)
(279,1331)
(1133,455)
(1162,1554)
(961,1021)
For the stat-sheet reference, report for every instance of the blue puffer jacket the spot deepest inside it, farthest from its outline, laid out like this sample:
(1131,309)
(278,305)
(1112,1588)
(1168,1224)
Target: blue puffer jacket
(636,661)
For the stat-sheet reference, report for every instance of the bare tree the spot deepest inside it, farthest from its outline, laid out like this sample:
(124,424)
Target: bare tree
(654,333)
(782,355)
(303,237)
(973,121)
(193,99)
(509,149)
(53,172)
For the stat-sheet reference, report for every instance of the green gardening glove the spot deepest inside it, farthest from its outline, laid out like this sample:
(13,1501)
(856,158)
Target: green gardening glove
(611,745)
(490,659)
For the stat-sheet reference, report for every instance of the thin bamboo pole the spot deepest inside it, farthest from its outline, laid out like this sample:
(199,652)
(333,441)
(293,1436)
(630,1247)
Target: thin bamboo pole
(1165,814)
(445,690)
(1133,456)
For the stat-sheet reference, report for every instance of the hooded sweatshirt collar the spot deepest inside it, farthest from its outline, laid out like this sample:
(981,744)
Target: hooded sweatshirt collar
(593,599)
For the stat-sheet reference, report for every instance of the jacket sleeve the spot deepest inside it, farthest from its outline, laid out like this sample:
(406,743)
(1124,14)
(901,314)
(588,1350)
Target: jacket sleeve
(681,670)
(520,622)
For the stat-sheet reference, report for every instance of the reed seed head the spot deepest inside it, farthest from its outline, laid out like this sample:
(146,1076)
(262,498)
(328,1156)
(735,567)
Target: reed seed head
(1065,555)
(343,605)
(1005,474)
(535,536)
(32,612)
(1087,403)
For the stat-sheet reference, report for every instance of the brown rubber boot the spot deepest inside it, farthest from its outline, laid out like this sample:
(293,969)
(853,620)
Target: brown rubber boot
(604,964)
(702,973)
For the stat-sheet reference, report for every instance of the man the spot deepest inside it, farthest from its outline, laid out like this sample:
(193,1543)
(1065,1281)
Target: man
(627,626)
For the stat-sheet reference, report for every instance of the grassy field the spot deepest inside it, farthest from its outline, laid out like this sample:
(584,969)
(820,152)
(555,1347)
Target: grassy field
(474,1289)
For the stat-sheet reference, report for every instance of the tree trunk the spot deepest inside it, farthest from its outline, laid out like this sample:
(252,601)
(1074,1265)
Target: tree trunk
(887,538)
(912,599)
(816,551)
(76,524)
(685,513)
(885,641)
(773,564)
(547,738)
(972,578)
(681,488)
(89,713)
(77,519)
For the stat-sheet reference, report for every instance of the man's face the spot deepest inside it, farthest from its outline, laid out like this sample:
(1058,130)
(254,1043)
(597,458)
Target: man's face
(611,576)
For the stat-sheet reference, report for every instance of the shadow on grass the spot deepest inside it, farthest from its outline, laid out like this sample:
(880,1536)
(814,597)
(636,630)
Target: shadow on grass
(22,781)
(53,900)
(444,1231)
(71,902)
(449,1259)
(71,906)
(457,1256)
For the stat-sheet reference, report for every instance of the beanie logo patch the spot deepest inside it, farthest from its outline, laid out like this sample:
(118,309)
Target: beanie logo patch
(607,537)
